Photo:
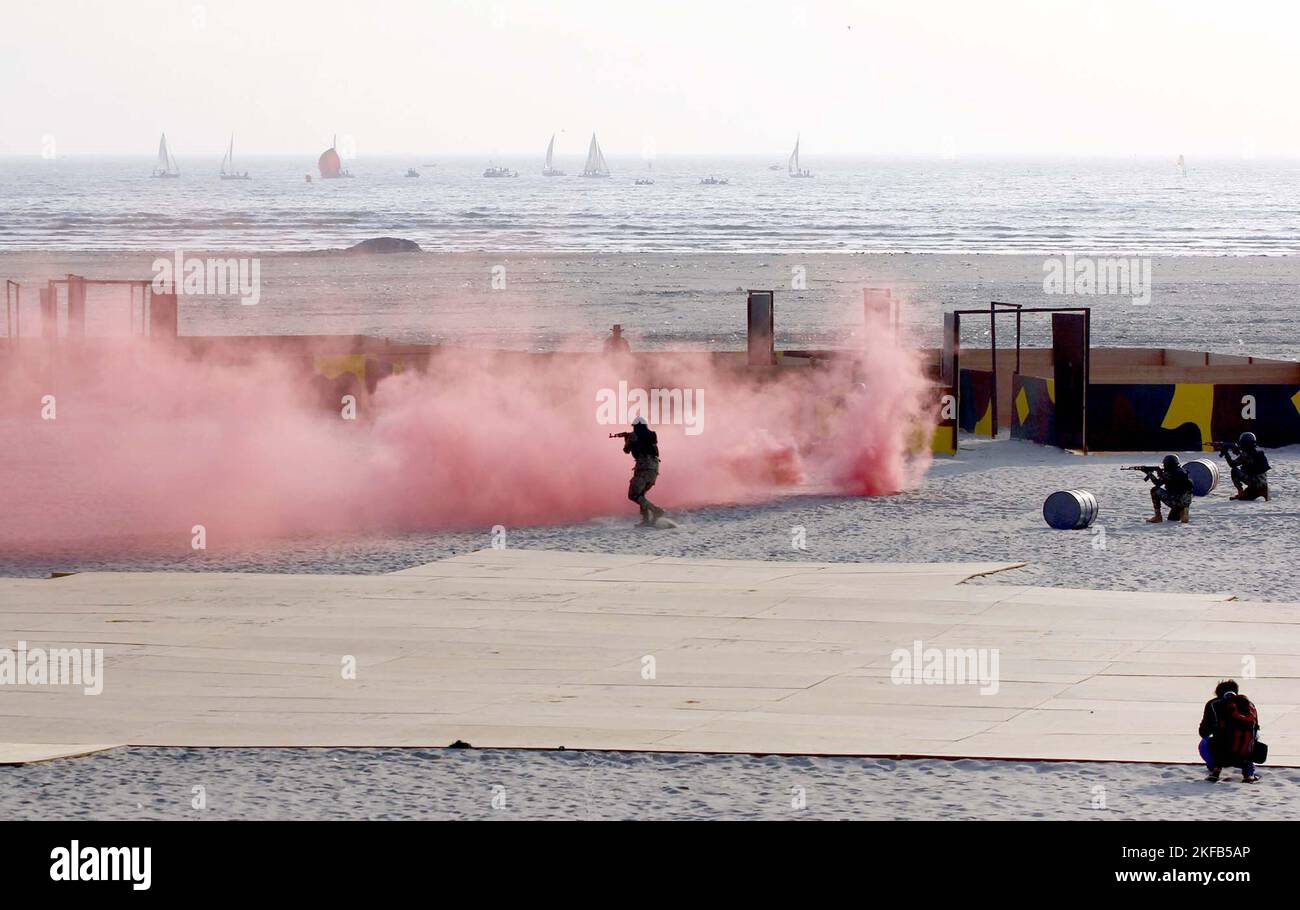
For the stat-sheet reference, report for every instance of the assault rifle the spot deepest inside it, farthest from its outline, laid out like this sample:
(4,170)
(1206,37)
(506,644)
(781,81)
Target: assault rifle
(1232,450)
(624,435)
(1150,471)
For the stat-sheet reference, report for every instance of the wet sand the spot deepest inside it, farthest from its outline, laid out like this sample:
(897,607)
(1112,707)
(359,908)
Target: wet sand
(1242,305)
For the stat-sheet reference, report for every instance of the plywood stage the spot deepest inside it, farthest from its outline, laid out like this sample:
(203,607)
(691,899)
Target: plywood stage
(542,649)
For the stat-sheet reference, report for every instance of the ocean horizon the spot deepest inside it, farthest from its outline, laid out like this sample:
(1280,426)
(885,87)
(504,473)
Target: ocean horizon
(964,204)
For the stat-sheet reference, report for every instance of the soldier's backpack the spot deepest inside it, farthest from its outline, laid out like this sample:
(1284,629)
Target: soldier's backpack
(1237,724)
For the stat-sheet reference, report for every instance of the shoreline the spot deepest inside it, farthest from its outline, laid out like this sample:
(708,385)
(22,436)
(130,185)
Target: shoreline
(559,252)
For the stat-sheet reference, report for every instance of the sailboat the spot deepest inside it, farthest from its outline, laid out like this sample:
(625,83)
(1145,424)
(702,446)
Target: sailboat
(494,171)
(648,179)
(166,163)
(596,166)
(550,170)
(229,161)
(330,164)
(792,166)
(1182,167)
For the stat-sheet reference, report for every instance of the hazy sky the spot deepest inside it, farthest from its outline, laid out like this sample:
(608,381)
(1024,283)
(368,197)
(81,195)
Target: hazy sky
(498,76)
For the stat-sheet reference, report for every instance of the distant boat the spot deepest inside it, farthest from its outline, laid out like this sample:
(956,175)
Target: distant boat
(792,166)
(166,163)
(412,172)
(494,171)
(229,161)
(1182,167)
(775,167)
(647,180)
(330,164)
(714,181)
(550,170)
(596,166)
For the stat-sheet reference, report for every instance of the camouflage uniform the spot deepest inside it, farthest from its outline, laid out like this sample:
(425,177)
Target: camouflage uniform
(1174,489)
(645,450)
(644,476)
(1249,474)
(1173,500)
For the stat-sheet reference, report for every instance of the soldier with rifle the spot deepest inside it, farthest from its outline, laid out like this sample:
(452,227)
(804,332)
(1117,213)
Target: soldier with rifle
(1170,486)
(1249,467)
(642,443)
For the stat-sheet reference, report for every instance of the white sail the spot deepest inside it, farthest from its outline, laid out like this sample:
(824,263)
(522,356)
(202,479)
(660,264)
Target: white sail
(166,163)
(1182,167)
(793,165)
(550,170)
(596,166)
(229,159)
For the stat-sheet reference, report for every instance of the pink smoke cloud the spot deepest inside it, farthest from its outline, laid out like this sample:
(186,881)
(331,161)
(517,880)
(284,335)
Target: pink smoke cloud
(148,442)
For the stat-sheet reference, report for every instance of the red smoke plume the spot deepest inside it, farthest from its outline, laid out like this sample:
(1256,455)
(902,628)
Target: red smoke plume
(145,444)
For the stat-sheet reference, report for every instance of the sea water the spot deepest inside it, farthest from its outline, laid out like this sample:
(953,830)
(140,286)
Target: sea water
(958,205)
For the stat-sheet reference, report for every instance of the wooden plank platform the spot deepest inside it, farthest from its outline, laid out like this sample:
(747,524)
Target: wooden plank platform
(541,649)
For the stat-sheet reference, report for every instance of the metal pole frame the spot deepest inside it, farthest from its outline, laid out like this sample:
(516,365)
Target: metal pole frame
(13,323)
(131,283)
(993,346)
(1017,310)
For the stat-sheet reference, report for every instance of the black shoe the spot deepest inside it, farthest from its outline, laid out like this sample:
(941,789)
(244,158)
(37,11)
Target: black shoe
(1250,778)
(1213,776)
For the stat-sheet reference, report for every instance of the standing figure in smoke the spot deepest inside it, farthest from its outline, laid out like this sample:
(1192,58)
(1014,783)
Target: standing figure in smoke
(642,443)
(616,343)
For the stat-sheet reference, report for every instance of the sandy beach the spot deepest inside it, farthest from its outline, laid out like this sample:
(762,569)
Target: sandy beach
(985,504)
(414,784)
(1227,304)
(982,505)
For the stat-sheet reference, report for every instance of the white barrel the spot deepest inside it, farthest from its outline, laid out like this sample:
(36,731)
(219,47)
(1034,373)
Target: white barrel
(1204,474)
(1070,510)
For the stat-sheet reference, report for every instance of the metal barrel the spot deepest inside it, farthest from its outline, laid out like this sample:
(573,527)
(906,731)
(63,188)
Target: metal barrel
(1204,473)
(1070,510)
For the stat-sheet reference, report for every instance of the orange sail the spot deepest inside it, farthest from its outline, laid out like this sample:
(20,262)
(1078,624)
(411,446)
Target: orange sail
(329,163)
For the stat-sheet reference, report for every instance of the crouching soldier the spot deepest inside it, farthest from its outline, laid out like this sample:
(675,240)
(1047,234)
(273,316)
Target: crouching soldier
(1229,733)
(1170,487)
(1249,468)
